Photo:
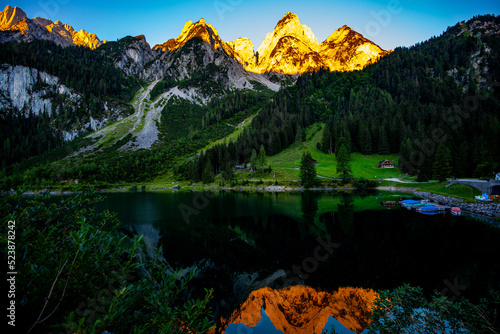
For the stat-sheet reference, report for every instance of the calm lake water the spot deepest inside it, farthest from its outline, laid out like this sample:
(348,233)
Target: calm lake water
(297,262)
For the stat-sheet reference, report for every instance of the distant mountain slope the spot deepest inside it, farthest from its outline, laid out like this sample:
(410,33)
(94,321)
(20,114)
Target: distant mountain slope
(292,48)
(15,25)
(346,50)
(443,92)
(57,93)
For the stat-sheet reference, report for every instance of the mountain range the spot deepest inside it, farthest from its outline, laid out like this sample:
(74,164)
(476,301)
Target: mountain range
(14,20)
(198,58)
(143,110)
(291,48)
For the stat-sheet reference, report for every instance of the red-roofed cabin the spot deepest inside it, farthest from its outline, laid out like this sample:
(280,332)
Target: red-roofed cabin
(386,164)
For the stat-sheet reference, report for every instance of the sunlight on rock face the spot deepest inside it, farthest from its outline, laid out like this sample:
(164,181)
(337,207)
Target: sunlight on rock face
(200,29)
(15,19)
(291,48)
(304,310)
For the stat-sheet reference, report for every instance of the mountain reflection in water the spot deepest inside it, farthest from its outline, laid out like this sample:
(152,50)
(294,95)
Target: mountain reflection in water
(242,242)
(301,310)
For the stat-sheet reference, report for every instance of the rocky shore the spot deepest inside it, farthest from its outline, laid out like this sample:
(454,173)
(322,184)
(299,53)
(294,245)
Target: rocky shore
(488,209)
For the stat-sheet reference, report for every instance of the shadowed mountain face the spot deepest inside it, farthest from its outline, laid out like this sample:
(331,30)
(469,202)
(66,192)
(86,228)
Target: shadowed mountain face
(304,310)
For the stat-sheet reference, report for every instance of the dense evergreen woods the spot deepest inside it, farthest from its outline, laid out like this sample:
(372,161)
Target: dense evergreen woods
(183,134)
(25,137)
(441,92)
(86,71)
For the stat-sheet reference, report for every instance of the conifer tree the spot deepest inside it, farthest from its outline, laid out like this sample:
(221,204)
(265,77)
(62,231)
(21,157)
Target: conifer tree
(365,139)
(262,159)
(442,163)
(344,169)
(307,170)
(383,144)
(253,160)
(208,173)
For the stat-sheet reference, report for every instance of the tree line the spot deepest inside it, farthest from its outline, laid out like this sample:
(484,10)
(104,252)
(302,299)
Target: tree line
(410,102)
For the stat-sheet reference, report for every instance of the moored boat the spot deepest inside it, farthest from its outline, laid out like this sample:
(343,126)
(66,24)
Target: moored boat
(430,208)
(483,198)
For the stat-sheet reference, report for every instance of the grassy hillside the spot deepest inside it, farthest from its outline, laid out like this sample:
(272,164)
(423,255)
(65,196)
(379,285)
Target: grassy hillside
(233,136)
(287,162)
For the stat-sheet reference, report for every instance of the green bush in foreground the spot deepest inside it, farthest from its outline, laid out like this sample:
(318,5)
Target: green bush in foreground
(406,310)
(78,274)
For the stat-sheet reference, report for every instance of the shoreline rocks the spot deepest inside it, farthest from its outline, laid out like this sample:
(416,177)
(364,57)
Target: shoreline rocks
(486,209)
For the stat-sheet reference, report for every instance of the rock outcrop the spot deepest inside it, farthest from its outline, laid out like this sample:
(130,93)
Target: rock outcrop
(26,89)
(31,92)
(15,21)
(199,51)
(346,50)
(245,49)
(132,54)
(292,48)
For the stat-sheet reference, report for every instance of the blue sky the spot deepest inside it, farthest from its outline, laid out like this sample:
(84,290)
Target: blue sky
(389,23)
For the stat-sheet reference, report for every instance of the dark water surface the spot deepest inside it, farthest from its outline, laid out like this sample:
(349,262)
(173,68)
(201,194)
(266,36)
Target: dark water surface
(244,243)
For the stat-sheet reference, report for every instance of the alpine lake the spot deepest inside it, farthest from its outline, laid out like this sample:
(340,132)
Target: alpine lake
(301,262)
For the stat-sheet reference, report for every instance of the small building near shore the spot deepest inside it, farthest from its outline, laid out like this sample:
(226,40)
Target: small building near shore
(386,164)
(388,204)
(241,167)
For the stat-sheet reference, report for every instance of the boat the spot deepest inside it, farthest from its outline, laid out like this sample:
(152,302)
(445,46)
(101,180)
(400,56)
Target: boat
(456,211)
(431,213)
(415,206)
(408,202)
(483,198)
(431,208)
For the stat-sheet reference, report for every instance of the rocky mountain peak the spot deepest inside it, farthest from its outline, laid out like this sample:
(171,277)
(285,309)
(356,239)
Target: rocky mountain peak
(200,29)
(289,25)
(15,19)
(10,16)
(347,50)
(342,34)
(289,17)
(245,49)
